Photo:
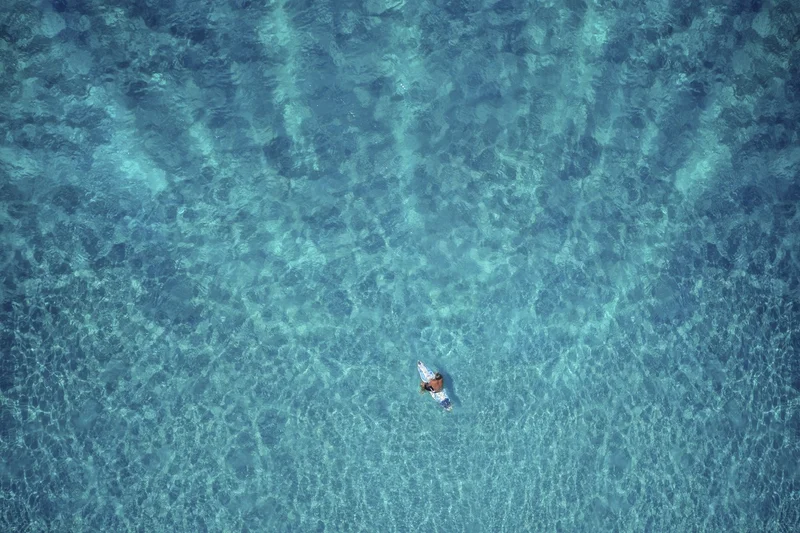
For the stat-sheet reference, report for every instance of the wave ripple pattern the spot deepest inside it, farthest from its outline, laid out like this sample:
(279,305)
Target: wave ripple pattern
(229,229)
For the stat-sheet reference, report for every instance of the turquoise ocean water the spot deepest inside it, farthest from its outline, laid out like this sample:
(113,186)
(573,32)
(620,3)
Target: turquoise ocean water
(229,229)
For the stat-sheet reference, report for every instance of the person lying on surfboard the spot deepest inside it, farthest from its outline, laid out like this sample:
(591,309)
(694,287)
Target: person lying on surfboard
(434,385)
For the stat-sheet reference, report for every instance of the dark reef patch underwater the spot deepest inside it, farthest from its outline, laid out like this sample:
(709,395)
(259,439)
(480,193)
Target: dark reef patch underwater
(229,229)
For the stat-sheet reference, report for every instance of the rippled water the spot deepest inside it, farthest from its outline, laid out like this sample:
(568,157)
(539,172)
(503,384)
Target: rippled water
(229,230)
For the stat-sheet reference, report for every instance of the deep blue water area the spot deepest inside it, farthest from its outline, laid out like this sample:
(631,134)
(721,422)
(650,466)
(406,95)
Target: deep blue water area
(229,229)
